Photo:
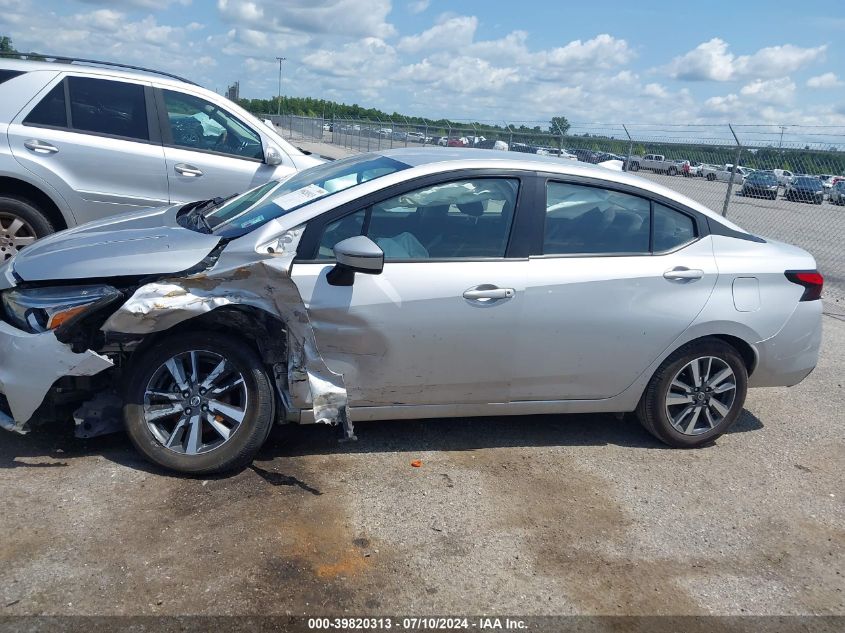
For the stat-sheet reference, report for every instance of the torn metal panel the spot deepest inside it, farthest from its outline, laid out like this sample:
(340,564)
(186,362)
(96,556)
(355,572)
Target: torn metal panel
(266,285)
(30,364)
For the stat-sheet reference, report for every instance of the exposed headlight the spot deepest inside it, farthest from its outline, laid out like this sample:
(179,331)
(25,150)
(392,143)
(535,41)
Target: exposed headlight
(42,309)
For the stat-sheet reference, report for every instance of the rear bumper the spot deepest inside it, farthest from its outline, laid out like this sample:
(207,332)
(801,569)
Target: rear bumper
(789,356)
(29,365)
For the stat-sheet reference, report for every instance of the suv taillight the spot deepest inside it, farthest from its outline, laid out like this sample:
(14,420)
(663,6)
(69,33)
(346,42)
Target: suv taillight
(811,280)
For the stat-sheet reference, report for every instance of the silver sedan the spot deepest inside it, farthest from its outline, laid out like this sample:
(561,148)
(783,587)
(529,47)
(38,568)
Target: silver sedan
(405,284)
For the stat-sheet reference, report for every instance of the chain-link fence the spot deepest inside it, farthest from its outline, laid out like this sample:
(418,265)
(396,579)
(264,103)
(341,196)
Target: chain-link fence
(782,182)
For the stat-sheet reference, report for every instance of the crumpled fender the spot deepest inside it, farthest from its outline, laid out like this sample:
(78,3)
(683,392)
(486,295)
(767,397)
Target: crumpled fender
(265,284)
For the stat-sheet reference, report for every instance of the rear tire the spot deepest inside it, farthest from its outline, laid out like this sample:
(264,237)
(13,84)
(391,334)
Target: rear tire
(672,171)
(21,223)
(711,177)
(232,410)
(634,167)
(686,415)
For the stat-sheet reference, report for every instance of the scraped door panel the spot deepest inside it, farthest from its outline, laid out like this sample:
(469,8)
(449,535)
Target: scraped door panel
(409,336)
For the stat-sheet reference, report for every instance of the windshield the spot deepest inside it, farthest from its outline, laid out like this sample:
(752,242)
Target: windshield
(808,183)
(274,199)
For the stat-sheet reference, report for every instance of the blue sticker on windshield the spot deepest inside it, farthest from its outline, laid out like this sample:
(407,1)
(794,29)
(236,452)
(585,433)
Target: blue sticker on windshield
(252,221)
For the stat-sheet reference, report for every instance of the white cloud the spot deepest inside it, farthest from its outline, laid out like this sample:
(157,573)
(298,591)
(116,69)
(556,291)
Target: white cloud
(350,18)
(370,57)
(418,6)
(153,5)
(603,51)
(770,90)
(713,61)
(826,80)
(452,32)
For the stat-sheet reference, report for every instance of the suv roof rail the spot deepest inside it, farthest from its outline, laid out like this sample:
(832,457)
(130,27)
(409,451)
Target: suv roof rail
(70,60)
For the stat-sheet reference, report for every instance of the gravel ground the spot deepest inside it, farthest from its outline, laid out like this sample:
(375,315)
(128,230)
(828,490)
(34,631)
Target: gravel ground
(581,514)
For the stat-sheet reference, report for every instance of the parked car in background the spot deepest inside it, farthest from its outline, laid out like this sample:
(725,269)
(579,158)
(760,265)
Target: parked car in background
(312,309)
(79,142)
(827,180)
(805,189)
(837,193)
(760,184)
(418,137)
(462,141)
(583,155)
(654,162)
(492,144)
(725,173)
(784,176)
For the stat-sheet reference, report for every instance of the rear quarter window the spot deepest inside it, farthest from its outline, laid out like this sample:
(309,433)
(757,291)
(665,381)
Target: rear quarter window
(6,75)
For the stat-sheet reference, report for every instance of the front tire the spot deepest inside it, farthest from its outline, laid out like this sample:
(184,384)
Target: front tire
(695,395)
(21,223)
(199,403)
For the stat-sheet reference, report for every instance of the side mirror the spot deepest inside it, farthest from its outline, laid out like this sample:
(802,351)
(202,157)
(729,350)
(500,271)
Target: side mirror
(357,254)
(273,155)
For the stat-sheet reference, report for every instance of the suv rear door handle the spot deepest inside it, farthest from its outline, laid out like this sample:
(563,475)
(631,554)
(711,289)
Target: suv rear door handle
(682,273)
(187,170)
(40,147)
(487,292)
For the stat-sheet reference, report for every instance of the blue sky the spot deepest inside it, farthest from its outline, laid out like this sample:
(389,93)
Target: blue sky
(698,62)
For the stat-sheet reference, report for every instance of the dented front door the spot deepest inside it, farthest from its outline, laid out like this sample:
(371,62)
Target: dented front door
(420,332)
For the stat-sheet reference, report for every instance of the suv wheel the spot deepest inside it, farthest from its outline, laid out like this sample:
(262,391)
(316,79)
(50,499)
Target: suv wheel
(21,223)
(695,395)
(199,403)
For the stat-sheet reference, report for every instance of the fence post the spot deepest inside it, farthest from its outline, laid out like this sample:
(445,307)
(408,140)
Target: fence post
(733,172)
(630,148)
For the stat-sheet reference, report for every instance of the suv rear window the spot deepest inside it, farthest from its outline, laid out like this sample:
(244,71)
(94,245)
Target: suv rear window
(6,75)
(51,110)
(115,108)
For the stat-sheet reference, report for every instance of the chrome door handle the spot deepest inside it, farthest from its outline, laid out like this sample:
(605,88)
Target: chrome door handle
(187,170)
(486,292)
(40,147)
(681,273)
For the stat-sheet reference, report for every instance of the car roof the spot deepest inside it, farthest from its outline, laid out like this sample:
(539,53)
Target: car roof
(28,65)
(447,159)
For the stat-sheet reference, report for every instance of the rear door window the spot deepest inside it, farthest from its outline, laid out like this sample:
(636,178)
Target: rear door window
(51,110)
(589,220)
(113,108)
(6,75)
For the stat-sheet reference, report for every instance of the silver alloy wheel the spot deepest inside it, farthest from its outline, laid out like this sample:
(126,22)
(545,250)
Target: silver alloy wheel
(700,395)
(194,402)
(15,234)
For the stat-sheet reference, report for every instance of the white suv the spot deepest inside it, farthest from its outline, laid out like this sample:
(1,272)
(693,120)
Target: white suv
(83,140)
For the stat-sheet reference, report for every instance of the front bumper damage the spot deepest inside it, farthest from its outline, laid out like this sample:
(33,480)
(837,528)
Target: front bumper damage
(31,363)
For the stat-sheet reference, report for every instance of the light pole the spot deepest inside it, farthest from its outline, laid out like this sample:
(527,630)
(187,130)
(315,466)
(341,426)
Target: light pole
(279,109)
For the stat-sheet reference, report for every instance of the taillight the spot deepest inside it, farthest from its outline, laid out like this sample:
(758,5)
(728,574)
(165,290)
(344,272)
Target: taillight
(811,280)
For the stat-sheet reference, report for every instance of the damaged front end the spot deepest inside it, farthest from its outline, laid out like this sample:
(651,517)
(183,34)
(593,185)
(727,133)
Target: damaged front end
(82,356)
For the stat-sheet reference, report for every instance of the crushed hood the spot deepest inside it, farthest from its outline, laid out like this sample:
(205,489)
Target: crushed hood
(143,243)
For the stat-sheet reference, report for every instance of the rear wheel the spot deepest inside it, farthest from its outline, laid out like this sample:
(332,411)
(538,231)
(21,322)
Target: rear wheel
(711,177)
(199,403)
(695,395)
(21,223)
(672,171)
(634,167)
